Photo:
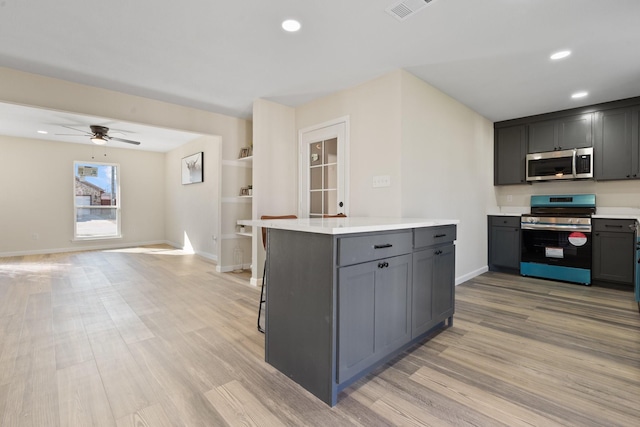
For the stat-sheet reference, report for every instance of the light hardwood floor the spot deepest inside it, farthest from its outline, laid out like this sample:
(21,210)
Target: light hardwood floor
(154,337)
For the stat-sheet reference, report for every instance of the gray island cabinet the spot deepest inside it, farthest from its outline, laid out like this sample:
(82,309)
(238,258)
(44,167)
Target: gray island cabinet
(345,295)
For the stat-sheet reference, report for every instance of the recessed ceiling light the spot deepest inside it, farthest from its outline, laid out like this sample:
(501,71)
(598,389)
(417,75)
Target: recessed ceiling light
(291,25)
(580,94)
(561,54)
(44,132)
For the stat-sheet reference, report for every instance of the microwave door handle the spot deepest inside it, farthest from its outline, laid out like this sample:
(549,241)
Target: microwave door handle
(573,163)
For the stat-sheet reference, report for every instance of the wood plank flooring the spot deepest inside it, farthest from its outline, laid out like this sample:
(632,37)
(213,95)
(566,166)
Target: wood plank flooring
(155,337)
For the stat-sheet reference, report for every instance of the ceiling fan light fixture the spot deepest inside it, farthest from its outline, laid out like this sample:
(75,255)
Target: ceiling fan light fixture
(99,140)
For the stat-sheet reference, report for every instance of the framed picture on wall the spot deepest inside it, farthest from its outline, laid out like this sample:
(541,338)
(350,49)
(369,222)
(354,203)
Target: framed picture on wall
(192,167)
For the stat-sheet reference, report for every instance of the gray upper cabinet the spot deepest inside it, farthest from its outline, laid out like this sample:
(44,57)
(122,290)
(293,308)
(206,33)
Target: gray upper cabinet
(510,149)
(616,150)
(543,136)
(612,128)
(565,133)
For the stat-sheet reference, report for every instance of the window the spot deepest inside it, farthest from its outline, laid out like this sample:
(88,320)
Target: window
(96,200)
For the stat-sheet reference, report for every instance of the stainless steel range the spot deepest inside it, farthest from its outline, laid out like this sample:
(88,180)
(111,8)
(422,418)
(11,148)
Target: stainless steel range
(556,238)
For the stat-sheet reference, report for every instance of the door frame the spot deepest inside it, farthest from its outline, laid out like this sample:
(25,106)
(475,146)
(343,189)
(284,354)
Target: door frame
(335,128)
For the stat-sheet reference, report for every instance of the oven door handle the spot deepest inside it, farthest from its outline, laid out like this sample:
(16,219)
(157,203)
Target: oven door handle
(583,228)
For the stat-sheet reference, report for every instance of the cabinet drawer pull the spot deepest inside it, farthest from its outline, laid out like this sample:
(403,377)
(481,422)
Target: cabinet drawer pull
(386,245)
(439,235)
(613,225)
(383,264)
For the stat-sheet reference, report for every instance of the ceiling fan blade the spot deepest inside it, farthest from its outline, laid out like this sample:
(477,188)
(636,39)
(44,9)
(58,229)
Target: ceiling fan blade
(128,141)
(84,132)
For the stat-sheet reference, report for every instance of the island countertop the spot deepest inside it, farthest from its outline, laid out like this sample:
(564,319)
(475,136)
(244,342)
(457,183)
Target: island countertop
(347,225)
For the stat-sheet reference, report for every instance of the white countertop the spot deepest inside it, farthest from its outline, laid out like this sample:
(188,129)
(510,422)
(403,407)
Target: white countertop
(601,212)
(617,213)
(347,225)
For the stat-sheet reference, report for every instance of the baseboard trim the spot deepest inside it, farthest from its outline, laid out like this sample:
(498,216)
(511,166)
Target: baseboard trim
(83,248)
(230,268)
(208,256)
(471,275)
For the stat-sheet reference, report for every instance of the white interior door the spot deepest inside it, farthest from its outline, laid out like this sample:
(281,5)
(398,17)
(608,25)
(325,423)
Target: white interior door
(323,169)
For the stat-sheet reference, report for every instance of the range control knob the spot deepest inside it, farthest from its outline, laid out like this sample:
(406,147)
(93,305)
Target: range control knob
(533,220)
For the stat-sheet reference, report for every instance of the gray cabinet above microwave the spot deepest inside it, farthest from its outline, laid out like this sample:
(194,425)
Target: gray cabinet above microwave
(565,133)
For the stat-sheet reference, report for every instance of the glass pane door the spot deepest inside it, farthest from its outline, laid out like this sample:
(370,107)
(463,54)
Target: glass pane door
(323,169)
(323,178)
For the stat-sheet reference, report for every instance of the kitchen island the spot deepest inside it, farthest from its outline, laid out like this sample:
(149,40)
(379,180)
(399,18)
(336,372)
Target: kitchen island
(345,295)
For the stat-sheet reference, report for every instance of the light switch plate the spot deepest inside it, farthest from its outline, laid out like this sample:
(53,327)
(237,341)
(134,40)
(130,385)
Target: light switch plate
(381,181)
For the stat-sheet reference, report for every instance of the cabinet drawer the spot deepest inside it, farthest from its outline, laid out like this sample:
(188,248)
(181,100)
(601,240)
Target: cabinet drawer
(370,247)
(430,236)
(615,225)
(504,221)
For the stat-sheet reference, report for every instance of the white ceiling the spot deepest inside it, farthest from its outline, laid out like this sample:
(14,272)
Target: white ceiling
(492,55)
(25,122)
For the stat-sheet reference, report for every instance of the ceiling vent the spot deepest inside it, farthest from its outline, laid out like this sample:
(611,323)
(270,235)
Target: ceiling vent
(406,8)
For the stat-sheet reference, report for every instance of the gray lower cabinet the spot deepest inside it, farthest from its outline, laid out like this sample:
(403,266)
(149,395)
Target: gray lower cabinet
(614,246)
(433,297)
(339,306)
(373,313)
(504,243)
(443,277)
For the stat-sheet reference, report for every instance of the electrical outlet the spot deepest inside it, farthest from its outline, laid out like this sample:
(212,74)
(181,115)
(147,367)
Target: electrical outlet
(381,181)
(509,198)
(35,236)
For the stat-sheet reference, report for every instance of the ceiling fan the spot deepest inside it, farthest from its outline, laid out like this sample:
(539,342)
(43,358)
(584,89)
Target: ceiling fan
(99,135)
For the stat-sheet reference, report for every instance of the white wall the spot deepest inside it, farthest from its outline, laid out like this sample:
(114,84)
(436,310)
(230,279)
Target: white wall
(611,196)
(191,210)
(275,168)
(37,188)
(44,92)
(447,168)
(375,140)
(438,153)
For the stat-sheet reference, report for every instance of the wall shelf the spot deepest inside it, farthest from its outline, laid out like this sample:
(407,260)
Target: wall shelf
(248,159)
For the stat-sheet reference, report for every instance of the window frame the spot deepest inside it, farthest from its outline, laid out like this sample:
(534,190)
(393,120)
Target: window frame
(117,207)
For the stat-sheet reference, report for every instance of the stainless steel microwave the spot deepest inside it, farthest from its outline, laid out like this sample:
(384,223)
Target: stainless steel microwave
(564,164)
